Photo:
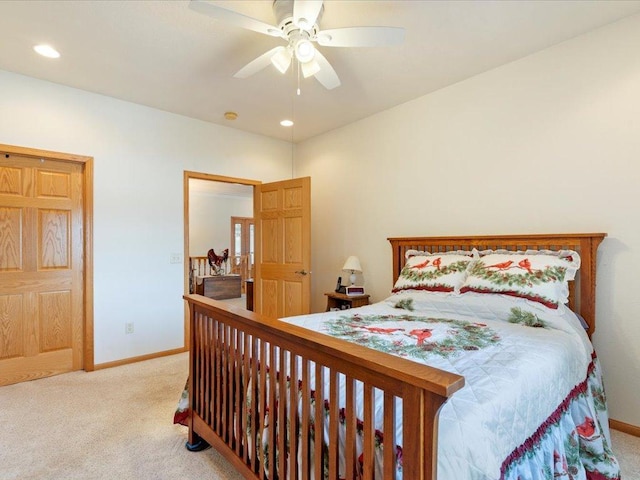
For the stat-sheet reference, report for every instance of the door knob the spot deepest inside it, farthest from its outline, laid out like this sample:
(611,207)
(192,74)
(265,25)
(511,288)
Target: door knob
(302,272)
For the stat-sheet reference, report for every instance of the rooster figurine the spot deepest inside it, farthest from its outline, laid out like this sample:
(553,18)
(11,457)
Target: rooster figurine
(215,261)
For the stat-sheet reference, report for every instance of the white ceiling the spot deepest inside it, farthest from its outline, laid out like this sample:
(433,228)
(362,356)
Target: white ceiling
(167,56)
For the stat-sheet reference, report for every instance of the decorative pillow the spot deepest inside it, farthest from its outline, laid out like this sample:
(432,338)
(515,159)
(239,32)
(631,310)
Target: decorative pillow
(412,253)
(538,275)
(436,272)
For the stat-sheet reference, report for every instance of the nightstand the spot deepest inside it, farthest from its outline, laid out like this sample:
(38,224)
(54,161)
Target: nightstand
(342,301)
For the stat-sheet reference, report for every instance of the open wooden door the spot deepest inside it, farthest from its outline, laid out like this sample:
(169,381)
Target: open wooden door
(282,212)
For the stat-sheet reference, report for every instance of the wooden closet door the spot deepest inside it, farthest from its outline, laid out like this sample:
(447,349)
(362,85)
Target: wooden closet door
(41,268)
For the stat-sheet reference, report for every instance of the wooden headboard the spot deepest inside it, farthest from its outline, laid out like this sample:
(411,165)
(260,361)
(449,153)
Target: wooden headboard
(582,298)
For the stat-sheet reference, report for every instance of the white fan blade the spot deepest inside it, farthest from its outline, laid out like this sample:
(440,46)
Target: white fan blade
(327,76)
(305,13)
(258,64)
(361,37)
(234,18)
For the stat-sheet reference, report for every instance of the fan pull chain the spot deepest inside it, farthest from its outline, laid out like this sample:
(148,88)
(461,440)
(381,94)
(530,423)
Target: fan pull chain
(298,91)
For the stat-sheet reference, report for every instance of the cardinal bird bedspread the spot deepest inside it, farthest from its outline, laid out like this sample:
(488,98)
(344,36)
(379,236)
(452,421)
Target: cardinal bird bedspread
(533,405)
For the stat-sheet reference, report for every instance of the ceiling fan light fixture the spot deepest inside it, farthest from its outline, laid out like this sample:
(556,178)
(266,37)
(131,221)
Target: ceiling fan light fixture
(305,51)
(310,68)
(303,24)
(281,60)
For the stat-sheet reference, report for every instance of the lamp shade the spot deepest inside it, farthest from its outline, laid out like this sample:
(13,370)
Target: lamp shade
(352,265)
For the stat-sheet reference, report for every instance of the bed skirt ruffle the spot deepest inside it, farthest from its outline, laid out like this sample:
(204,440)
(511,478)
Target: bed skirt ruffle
(574,443)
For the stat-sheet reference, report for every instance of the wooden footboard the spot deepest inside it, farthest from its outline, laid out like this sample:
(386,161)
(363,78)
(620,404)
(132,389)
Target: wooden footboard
(241,366)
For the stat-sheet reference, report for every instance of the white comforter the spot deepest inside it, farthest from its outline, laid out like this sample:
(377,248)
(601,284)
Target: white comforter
(516,376)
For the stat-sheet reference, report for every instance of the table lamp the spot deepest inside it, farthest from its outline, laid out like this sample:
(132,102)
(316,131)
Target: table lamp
(352,265)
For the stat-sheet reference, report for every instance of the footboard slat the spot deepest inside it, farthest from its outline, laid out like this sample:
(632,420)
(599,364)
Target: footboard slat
(236,366)
(389,450)
(282,411)
(225,382)
(245,374)
(260,407)
(334,422)
(253,400)
(350,429)
(207,369)
(292,417)
(262,392)
(271,390)
(218,378)
(318,423)
(200,375)
(305,420)
(231,374)
(368,432)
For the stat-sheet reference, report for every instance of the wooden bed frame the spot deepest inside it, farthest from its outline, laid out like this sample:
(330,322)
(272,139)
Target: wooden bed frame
(227,343)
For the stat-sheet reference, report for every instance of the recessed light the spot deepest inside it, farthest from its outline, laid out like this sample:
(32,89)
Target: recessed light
(286,123)
(47,51)
(230,115)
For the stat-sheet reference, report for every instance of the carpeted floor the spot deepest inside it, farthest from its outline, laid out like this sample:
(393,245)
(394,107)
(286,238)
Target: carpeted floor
(110,424)
(627,450)
(117,424)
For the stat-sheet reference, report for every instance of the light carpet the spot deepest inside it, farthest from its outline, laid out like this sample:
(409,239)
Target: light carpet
(117,424)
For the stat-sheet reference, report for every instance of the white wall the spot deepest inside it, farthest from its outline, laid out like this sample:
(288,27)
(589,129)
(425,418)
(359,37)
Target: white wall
(210,220)
(550,143)
(140,155)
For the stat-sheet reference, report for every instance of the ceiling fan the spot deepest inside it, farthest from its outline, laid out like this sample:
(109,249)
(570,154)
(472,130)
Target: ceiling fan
(298,25)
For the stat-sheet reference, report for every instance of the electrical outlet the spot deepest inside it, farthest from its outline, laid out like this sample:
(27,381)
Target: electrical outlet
(175,258)
(128,327)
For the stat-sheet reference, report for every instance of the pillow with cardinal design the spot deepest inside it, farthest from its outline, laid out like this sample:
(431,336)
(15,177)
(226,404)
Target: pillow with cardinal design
(435,272)
(538,275)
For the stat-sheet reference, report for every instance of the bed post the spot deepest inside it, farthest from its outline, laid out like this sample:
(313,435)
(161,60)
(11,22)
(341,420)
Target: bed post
(194,443)
(588,252)
(420,463)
